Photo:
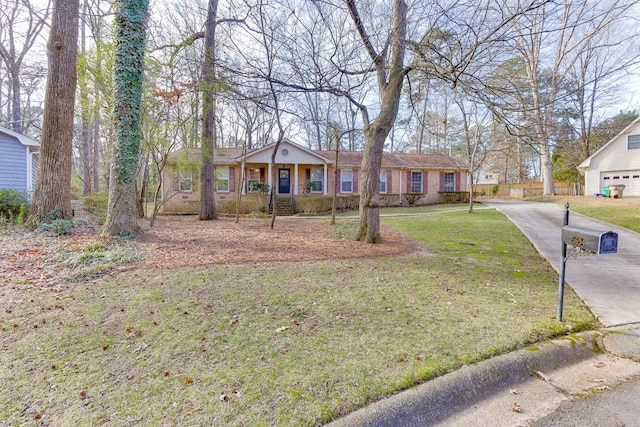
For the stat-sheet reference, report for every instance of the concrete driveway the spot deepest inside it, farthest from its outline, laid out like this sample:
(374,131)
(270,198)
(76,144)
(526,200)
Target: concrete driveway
(608,284)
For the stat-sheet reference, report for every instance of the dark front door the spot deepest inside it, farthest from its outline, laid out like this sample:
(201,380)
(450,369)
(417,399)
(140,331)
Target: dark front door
(284,181)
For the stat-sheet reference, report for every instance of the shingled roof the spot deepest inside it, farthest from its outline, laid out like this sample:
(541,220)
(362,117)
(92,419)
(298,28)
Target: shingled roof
(229,156)
(397,160)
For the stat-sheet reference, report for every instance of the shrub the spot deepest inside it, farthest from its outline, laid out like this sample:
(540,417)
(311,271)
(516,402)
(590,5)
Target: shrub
(13,204)
(495,189)
(412,198)
(228,207)
(57,227)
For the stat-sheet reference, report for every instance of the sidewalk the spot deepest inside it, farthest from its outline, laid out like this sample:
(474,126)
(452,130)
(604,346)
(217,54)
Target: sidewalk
(520,387)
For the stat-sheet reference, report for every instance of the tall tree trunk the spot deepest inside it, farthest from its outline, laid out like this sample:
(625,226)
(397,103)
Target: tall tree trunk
(16,110)
(390,79)
(122,214)
(207,179)
(84,110)
(52,197)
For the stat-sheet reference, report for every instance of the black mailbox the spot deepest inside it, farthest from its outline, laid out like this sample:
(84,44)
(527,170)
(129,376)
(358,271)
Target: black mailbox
(596,241)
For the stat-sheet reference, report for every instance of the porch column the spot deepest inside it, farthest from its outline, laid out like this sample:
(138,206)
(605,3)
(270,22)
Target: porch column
(295,179)
(325,177)
(269,179)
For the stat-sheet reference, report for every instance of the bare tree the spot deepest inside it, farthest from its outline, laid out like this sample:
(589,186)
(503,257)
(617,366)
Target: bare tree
(20,26)
(52,197)
(550,43)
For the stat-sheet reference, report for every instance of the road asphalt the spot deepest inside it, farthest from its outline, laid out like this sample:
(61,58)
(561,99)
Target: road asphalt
(525,386)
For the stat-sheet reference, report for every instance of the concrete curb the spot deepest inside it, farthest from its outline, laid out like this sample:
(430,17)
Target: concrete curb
(444,396)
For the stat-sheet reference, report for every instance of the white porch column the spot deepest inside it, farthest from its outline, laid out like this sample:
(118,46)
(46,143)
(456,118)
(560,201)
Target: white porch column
(269,179)
(400,182)
(295,179)
(325,177)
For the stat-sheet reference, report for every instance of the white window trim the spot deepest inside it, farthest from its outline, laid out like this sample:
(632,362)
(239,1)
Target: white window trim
(635,143)
(421,181)
(222,172)
(453,183)
(320,173)
(342,180)
(185,176)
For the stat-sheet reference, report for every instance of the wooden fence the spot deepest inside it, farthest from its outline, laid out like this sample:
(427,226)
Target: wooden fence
(520,190)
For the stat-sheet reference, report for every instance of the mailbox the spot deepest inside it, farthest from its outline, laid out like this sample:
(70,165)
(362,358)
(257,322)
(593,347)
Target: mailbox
(596,241)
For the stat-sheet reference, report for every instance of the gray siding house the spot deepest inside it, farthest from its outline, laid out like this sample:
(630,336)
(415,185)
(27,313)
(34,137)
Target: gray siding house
(18,161)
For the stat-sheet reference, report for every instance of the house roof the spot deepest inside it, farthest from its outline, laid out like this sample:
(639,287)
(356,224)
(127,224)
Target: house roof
(314,153)
(587,162)
(223,156)
(397,160)
(231,156)
(23,139)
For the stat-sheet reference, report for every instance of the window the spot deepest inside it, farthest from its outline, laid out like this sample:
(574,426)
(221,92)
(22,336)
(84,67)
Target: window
(625,176)
(346,181)
(416,182)
(253,178)
(633,142)
(449,181)
(636,176)
(383,181)
(317,178)
(222,178)
(186,181)
(607,177)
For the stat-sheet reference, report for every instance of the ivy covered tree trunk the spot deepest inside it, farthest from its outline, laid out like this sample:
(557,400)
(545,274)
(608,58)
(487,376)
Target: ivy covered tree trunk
(52,197)
(207,180)
(128,74)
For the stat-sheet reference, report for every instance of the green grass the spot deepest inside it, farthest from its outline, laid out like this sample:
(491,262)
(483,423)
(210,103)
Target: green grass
(622,212)
(277,344)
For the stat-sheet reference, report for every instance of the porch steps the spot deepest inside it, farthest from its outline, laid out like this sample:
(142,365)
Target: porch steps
(284,206)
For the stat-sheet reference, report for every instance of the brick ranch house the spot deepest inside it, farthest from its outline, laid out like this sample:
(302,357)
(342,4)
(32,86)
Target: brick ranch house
(301,173)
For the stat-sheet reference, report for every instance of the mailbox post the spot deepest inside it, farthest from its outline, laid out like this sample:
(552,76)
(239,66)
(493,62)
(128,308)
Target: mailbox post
(584,239)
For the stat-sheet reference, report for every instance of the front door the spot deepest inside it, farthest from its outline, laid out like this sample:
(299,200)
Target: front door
(284,181)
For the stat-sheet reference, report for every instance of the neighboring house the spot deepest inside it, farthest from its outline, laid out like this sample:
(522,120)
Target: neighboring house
(615,163)
(486,177)
(18,161)
(301,171)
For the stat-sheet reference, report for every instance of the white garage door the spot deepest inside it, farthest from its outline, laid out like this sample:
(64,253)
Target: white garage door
(630,179)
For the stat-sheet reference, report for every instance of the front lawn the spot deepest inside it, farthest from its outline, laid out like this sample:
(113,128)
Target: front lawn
(623,212)
(276,343)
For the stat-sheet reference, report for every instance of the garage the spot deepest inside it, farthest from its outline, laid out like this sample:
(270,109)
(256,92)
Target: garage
(630,179)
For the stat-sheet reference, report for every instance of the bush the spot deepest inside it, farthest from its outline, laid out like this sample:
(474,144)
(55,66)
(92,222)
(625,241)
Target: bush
(13,205)
(228,207)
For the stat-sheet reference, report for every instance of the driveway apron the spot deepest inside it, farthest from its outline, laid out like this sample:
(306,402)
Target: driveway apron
(608,284)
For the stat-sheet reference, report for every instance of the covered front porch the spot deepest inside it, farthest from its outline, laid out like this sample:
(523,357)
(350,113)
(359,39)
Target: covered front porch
(297,171)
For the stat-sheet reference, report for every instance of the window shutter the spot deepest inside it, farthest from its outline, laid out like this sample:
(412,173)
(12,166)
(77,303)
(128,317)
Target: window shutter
(308,174)
(408,190)
(425,182)
(389,186)
(232,178)
(263,173)
(457,187)
(339,180)
(441,181)
(355,188)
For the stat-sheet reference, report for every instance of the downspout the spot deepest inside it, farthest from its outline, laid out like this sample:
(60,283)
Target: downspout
(400,182)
